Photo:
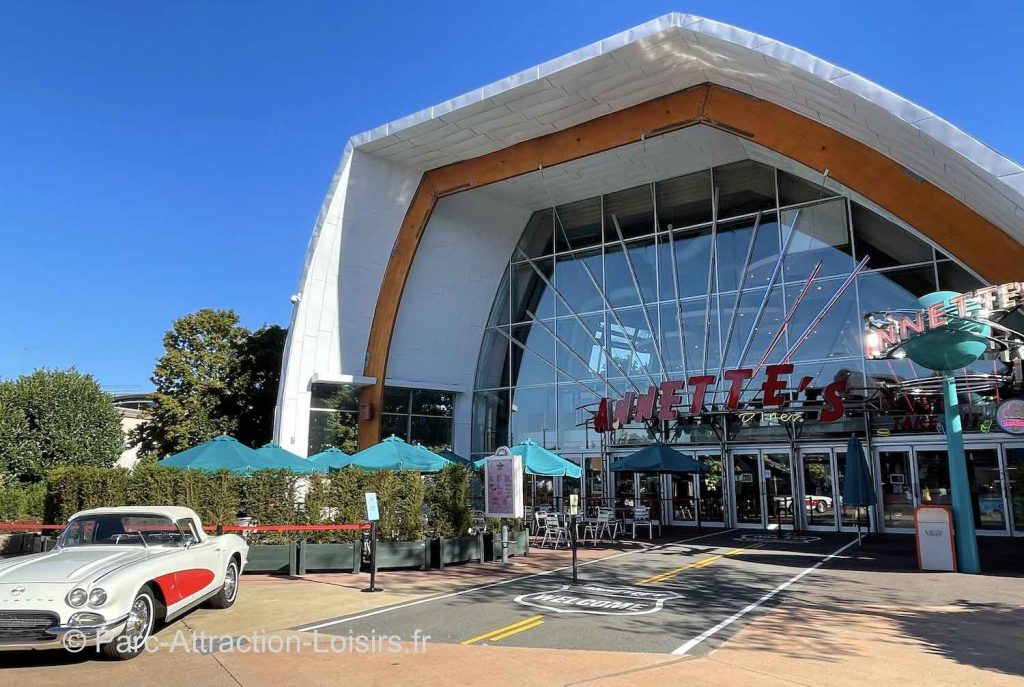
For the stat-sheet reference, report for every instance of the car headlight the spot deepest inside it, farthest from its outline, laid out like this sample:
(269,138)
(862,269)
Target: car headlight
(77,597)
(85,620)
(97,597)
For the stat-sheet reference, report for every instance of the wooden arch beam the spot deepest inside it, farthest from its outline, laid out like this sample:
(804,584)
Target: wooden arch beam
(922,205)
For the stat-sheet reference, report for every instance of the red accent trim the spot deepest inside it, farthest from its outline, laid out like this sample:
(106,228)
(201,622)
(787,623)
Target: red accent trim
(176,586)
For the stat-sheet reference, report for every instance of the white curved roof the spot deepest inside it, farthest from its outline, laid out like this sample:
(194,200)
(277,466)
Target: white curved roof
(676,51)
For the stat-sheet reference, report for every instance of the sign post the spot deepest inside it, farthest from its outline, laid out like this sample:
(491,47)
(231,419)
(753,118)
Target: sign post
(574,507)
(373,515)
(503,482)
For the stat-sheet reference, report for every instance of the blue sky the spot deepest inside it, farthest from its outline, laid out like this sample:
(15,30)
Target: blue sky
(157,158)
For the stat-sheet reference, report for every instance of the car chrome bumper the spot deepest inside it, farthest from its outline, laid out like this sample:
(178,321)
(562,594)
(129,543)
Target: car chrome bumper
(89,635)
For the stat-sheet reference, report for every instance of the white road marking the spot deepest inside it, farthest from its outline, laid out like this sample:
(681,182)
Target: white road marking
(707,634)
(379,611)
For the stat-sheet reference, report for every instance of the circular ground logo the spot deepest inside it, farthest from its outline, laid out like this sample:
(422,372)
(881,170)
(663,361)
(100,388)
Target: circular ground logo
(598,599)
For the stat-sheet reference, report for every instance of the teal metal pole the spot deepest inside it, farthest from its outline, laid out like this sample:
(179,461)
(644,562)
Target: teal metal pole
(963,514)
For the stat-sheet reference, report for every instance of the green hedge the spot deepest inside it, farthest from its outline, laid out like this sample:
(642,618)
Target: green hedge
(268,497)
(448,501)
(22,502)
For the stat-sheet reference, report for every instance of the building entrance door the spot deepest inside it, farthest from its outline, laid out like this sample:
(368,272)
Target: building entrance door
(687,493)
(762,488)
(1013,481)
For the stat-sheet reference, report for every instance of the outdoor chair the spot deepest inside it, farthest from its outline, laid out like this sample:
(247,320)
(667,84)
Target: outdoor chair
(642,518)
(554,532)
(607,524)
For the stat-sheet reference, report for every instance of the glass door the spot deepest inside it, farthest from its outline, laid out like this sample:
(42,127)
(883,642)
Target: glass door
(820,496)
(986,483)
(682,499)
(777,474)
(625,494)
(711,492)
(593,486)
(933,487)
(896,489)
(648,490)
(746,486)
(1013,468)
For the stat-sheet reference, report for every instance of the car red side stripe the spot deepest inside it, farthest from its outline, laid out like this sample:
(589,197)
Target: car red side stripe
(178,585)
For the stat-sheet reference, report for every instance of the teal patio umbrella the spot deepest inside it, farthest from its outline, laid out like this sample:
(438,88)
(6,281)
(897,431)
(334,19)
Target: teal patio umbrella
(331,459)
(284,459)
(858,487)
(220,453)
(537,460)
(395,454)
(659,457)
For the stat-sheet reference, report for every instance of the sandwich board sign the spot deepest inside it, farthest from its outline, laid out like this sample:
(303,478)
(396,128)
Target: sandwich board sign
(503,485)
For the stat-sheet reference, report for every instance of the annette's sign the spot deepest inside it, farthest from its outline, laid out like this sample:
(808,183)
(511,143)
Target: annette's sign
(663,402)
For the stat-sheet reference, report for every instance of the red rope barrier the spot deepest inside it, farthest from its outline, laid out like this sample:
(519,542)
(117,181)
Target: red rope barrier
(35,527)
(27,527)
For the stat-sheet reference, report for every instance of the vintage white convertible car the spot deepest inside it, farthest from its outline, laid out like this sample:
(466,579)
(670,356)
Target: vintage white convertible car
(114,574)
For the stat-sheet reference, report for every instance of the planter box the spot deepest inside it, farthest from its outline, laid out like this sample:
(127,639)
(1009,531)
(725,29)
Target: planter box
(279,559)
(459,550)
(519,545)
(402,554)
(338,557)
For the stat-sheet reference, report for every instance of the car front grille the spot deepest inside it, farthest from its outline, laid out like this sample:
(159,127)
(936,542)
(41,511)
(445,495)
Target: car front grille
(26,626)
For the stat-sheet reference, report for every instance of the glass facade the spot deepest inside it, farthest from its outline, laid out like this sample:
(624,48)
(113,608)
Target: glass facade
(688,276)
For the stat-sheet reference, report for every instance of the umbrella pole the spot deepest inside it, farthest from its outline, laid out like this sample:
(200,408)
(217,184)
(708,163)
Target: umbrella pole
(858,525)
(696,504)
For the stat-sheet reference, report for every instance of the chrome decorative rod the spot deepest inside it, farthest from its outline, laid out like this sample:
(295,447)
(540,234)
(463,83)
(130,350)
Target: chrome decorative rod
(828,306)
(739,289)
(608,307)
(776,271)
(639,293)
(545,360)
(678,302)
(789,318)
(579,320)
(712,268)
(573,352)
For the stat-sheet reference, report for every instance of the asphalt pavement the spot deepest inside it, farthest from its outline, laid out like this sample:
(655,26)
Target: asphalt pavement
(683,597)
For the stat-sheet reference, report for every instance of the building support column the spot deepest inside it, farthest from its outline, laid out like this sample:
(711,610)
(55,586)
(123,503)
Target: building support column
(963,515)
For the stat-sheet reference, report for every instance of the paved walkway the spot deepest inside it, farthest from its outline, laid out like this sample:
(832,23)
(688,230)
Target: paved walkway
(863,619)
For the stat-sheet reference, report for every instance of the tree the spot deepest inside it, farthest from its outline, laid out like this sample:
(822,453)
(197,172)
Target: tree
(215,377)
(54,418)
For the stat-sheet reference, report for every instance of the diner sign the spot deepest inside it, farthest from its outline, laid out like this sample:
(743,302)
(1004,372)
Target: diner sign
(665,401)
(888,332)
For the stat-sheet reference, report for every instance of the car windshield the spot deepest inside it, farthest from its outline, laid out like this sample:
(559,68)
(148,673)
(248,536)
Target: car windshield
(120,529)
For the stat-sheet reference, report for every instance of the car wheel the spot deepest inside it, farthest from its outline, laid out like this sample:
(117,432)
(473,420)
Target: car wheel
(225,598)
(820,507)
(132,640)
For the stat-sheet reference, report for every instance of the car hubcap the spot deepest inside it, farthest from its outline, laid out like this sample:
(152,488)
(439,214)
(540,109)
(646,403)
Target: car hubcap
(230,582)
(137,627)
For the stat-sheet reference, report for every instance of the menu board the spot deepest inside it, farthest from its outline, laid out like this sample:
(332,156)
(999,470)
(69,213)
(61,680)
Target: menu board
(503,481)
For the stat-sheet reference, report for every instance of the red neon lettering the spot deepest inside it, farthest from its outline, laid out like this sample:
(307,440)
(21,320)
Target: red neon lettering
(834,408)
(908,325)
(937,315)
(736,377)
(774,385)
(623,409)
(645,405)
(669,398)
(888,336)
(700,385)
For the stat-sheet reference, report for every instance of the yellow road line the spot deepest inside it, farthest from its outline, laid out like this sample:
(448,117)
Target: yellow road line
(661,577)
(501,632)
(521,628)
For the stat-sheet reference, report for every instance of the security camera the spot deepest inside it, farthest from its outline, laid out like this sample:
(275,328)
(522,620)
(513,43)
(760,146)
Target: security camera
(296,297)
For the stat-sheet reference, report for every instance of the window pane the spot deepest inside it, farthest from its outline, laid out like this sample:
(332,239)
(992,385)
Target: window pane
(619,285)
(533,414)
(500,307)
(527,368)
(694,313)
(794,189)
(493,367)
(574,402)
(538,236)
(432,432)
(743,330)
(821,235)
(837,334)
(634,211)
(685,200)
(432,402)
(574,337)
(394,425)
(744,187)
(530,293)
(577,285)
(692,251)
(888,244)
(335,396)
(634,329)
(490,420)
(733,244)
(579,224)
(396,400)
(894,289)
(953,277)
